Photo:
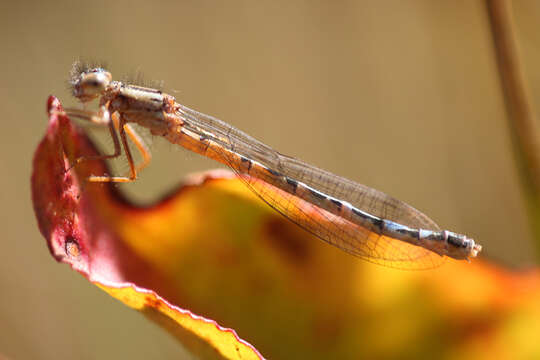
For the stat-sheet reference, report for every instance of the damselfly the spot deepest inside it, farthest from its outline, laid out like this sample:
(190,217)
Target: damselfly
(355,218)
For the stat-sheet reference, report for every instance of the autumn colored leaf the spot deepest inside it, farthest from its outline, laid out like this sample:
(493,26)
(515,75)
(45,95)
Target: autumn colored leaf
(85,227)
(212,257)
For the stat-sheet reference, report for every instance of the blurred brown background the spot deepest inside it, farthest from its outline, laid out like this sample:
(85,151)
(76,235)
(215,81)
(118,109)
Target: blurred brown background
(401,96)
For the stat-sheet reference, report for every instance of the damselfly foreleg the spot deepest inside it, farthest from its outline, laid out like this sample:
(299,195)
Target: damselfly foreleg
(115,123)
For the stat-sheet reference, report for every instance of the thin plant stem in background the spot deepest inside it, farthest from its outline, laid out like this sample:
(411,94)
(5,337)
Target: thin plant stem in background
(521,115)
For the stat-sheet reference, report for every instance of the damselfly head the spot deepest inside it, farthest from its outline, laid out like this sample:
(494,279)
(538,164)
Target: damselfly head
(88,82)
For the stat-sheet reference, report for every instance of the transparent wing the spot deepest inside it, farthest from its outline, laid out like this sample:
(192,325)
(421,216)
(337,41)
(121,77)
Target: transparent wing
(333,229)
(341,233)
(360,196)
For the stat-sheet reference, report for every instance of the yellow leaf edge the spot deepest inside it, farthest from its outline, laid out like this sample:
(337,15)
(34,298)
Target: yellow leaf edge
(204,337)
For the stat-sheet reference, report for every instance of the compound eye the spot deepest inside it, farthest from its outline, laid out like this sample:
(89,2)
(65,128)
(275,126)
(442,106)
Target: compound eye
(92,84)
(96,82)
